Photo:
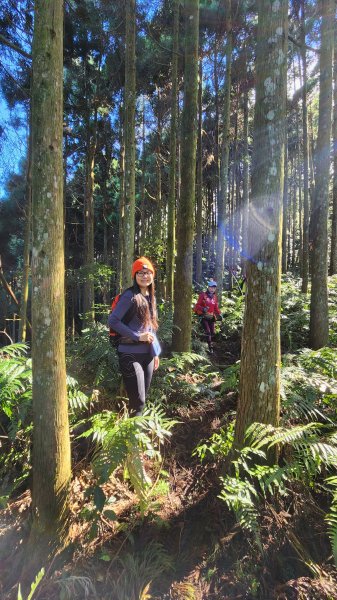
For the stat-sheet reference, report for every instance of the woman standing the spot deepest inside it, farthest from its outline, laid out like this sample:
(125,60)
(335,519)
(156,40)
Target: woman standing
(138,348)
(208,309)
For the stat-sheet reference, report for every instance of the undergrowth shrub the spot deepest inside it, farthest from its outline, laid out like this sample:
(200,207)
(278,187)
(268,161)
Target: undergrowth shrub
(181,379)
(16,416)
(308,456)
(307,442)
(308,385)
(295,314)
(96,357)
(124,441)
(138,569)
(232,309)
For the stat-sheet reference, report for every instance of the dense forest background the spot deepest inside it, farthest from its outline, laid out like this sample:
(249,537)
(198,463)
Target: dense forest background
(201,134)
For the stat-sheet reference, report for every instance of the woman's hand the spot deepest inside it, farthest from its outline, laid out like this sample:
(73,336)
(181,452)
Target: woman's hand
(156,363)
(146,337)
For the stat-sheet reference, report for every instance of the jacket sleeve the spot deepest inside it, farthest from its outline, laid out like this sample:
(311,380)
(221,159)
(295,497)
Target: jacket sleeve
(116,316)
(216,307)
(200,305)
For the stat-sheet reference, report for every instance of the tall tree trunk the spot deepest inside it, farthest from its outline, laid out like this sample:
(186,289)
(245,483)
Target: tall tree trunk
(130,144)
(216,179)
(51,444)
(319,320)
(89,235)
(260,354)
(171,216)
(333,255)
(285,210)
(222,197)
(182,319)
(305,254)
(157,230)
(120,249)
(27,244)
(198,241)
(143,189)
(294,213)
(245,176)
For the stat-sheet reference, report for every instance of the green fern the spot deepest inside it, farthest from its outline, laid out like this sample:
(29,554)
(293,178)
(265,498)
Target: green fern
(331,517)
(33,587)
(218,445)
(312,449)
(240,496)
(309,390)
(122,441)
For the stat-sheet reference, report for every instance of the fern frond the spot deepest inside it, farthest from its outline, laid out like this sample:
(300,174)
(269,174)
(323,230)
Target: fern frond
(13,350)
(240,496)
(331,519)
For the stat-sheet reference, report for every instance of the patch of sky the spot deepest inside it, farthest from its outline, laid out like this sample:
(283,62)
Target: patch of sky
(13,142)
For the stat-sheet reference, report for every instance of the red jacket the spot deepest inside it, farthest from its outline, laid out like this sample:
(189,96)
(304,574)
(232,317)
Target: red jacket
(209,301)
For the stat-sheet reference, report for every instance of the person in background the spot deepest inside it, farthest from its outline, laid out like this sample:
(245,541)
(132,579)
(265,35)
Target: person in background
(208,309)
(138,348)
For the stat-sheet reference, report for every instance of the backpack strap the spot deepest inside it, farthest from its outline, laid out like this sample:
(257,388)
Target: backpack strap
(131,310)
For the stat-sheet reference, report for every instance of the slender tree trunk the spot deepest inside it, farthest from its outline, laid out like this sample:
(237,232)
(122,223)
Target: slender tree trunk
(89,235)
(171,217)
(245,176)
(260,354)
(157,230)
(294,212)
(181,339)
(27,245)
(222,197)
(319,320)
(285,210)
(130,145)
(305,255)
(333,255)
(216,179)
(120,249)
(142,191)
(51,443)
(198,258)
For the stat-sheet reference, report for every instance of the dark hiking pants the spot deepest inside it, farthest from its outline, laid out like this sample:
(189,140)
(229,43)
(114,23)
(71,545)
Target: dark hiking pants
(208,327)
(137,371)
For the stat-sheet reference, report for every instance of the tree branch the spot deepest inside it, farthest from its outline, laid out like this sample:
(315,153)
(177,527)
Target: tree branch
(299,45)
(10,44)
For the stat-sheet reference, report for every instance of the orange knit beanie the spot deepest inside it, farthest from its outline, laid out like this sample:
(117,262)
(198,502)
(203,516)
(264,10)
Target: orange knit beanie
(142,263)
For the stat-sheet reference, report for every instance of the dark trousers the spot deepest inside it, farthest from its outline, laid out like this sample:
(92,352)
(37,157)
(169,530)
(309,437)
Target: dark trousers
(137,371)
(208,327)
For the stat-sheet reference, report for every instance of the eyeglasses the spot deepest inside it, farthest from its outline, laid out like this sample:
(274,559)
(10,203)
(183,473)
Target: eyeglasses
(143,273)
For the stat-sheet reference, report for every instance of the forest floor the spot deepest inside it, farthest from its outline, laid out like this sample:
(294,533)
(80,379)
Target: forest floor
(187,544)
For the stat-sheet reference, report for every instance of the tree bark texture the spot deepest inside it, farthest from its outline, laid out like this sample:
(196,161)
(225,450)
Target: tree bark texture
(51,444)
(333,255)
(130,144)
(260,353)
(305,254)
(198,237)
(245,182)
(182,318)
(285,211)
(224,163)
(26,254)
(319,320)
(121,212)
(89,234)
(171,203)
